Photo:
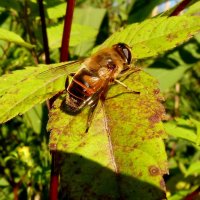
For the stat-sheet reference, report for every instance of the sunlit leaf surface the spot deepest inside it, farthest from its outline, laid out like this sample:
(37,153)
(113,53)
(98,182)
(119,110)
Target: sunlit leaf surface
(122,159)
(153,36)
(25,88)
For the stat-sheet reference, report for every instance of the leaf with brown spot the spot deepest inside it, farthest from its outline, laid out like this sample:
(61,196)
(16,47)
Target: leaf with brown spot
(23,89)
(156,35)
(127,161)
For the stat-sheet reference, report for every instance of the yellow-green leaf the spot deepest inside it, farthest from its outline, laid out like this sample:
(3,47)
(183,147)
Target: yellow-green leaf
(156,35)
(25,88)
(128,153)
(10,36)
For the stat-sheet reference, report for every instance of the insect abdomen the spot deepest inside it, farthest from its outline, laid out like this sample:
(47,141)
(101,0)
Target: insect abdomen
(81,90)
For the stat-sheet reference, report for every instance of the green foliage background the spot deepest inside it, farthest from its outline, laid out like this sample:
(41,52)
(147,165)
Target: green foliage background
(25,159)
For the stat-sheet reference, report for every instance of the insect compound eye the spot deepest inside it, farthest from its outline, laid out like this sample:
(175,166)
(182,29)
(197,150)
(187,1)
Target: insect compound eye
(125,51)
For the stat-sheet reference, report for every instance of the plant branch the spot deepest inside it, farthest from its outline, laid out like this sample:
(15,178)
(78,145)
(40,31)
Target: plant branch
(45,38)
(54,176)
(193,195)
(63,57)
(28,24)
(180,7)
(44,32)
(67,30)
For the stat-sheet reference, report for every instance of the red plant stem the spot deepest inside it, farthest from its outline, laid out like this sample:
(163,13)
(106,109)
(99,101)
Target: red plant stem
(193,195)
(15,191)
(44,32)
(67,30)
(63,57)
(54,177)
(53,193)
(180,7)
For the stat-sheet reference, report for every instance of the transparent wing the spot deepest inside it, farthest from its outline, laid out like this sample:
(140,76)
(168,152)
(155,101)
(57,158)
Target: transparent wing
(61,69)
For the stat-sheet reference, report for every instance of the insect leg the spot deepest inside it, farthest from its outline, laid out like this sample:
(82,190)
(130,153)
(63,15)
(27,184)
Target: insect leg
(128,71)
(90,115)
(124,85)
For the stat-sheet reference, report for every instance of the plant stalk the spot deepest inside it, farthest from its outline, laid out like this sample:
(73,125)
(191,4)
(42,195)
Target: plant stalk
(67,29)
(180,7)
(44,32)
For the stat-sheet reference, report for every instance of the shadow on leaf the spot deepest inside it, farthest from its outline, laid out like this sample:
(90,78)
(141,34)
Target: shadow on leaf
(81,178)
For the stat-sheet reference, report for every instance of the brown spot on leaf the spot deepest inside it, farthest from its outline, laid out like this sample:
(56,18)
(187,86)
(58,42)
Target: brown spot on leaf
(160,98)
(154,171)
(16,91)
(161,132)
(156,91)
(65,146)
(135,146)
(155,117)
(158,114)
(53,146)
(171,37)
(140,174)
(82,144)
(143,138)
(190,35)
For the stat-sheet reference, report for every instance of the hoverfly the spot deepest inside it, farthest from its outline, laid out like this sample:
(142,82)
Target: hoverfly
(90,83)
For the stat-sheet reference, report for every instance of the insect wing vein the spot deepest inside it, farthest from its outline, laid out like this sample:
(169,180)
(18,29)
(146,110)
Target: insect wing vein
(61,70)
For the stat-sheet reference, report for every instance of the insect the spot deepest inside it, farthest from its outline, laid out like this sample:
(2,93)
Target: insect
(91,82)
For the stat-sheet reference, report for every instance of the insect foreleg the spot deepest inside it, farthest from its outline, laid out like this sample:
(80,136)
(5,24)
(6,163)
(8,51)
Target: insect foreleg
(124,85)
(126,72)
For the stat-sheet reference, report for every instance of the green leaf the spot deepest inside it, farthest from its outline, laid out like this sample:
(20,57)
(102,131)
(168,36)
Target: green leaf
(89,16)
(173,75)
(185,129)
(83,16)
(194,168)
(10,4)
(33,118)
(3,182)
(181,131)
(193,9)
(124,139)
(23,89)
(56,11)
(180,194)
(79,34)
(197,125)
(84,28)
(153,36)
(13,37)
(143,10)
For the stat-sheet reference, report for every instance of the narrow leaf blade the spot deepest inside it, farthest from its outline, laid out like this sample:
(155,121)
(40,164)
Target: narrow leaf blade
(10,36)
